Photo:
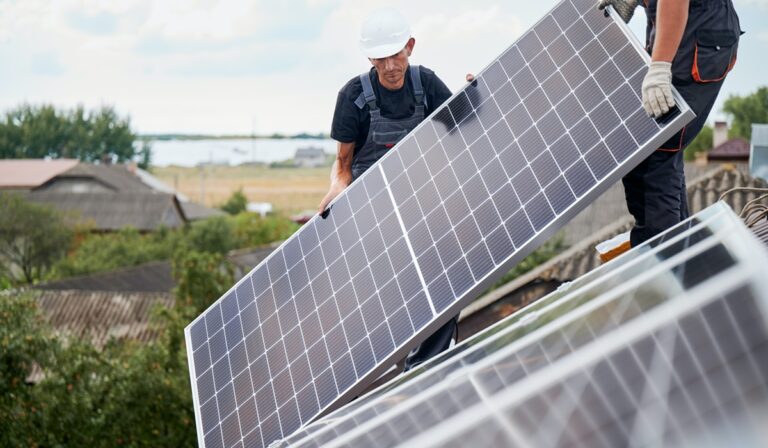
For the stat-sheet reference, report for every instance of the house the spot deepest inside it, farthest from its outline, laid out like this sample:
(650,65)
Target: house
(106,196)
(310,157)
(758,164)
(725,150)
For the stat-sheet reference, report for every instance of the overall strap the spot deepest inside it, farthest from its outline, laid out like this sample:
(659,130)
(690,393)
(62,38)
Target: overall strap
(366,96)
(418,89)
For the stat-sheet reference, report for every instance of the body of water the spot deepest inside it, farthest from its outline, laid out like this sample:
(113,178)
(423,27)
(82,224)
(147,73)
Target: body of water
(232,152)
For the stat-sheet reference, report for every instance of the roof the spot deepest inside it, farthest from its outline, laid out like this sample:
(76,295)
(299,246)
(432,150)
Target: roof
(116,177)
(310,151)
(582,257)
(154,276)
(732,149)
(247,259)
(30,173)
(98,316)
(112,211)
(194,211)
(759,134)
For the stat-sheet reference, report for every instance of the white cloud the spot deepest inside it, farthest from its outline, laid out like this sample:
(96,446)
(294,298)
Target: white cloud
(214,66)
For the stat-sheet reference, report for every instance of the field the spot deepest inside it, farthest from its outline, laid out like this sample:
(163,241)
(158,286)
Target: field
(290,190)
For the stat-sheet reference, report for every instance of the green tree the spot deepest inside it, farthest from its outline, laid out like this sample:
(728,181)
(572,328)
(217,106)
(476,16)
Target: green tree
(212,235)
(24,343)
(252,230)
(32,238)
(236,203)
(201,278)
(104,252)
(702,143)
(42,131)
(746,110)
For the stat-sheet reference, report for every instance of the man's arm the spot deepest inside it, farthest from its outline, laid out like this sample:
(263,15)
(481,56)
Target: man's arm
(671,18)
(341,173)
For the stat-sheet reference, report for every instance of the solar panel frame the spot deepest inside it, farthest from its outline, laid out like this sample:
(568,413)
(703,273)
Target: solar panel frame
(459,104)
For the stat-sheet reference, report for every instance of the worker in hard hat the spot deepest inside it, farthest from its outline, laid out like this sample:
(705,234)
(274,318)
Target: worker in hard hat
(375,110)
(693,46)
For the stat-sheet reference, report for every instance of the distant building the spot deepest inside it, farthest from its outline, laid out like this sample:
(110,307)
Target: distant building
(310,157)
(758,164)
(108,197)
(725,150)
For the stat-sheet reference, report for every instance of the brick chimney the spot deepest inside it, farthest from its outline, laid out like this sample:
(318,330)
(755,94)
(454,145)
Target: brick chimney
(720,134)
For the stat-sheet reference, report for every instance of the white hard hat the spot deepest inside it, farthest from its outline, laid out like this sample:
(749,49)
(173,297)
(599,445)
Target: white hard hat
(384,33)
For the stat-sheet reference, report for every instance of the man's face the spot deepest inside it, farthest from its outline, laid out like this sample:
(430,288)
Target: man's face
(392,68)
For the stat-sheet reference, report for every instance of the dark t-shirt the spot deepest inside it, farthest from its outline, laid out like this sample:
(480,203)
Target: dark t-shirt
(351,124)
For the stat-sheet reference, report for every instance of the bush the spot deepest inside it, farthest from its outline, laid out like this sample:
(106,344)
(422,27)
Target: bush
(236,203)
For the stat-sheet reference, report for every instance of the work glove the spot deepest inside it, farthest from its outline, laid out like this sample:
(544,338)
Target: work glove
(625,8)
(657,89)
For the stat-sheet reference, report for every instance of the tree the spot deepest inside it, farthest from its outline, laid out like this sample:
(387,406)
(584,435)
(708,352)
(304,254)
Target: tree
(745,111)
(24,343)
(43,131)
(702,143)
(32,237)
(236,203)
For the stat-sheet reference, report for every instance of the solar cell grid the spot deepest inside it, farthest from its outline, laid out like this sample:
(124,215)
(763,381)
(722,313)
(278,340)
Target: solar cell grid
(505,126)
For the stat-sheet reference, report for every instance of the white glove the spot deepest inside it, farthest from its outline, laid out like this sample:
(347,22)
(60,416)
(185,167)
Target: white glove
(657,89)
(625,8)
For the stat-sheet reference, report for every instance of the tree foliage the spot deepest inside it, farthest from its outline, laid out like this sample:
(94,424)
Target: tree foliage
(702,143)
(746,110)
(32,238)
(236,203)
(36,132)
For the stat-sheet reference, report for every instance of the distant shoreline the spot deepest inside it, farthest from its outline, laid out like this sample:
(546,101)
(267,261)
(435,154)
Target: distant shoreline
(300,136)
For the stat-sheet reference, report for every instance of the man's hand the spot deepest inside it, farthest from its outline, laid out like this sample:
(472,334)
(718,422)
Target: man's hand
(625,8)
(657,89)
(336,188)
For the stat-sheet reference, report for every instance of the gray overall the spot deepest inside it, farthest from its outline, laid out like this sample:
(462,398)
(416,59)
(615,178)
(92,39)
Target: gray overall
(384,132)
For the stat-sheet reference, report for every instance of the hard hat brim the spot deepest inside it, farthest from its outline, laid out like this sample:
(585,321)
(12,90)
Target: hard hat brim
(383,51)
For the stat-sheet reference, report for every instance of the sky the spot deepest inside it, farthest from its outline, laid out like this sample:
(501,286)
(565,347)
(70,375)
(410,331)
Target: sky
(237,67)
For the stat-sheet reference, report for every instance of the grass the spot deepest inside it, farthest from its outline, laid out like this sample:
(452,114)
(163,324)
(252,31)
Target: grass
(289,190)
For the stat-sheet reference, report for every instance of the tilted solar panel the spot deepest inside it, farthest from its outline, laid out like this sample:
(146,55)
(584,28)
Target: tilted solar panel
(688,368)
(536,339)
(476,187)
(411,389)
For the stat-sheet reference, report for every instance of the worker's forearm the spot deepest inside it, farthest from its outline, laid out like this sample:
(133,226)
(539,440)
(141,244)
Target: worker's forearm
(342,167)
(671,18)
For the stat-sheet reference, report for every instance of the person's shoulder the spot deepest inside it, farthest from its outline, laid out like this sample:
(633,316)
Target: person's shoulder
(352,88)
(427,73)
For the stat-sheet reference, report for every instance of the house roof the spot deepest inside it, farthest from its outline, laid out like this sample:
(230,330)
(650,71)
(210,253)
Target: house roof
(732,149)
(112,211)
(154,276)
(194,211)
(760,134)
(98,315)
(30,173)
(116,177)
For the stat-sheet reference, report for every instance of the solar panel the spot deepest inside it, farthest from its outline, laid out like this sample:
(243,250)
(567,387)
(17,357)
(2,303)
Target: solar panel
(411,387)
(477,186)
(705,267)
